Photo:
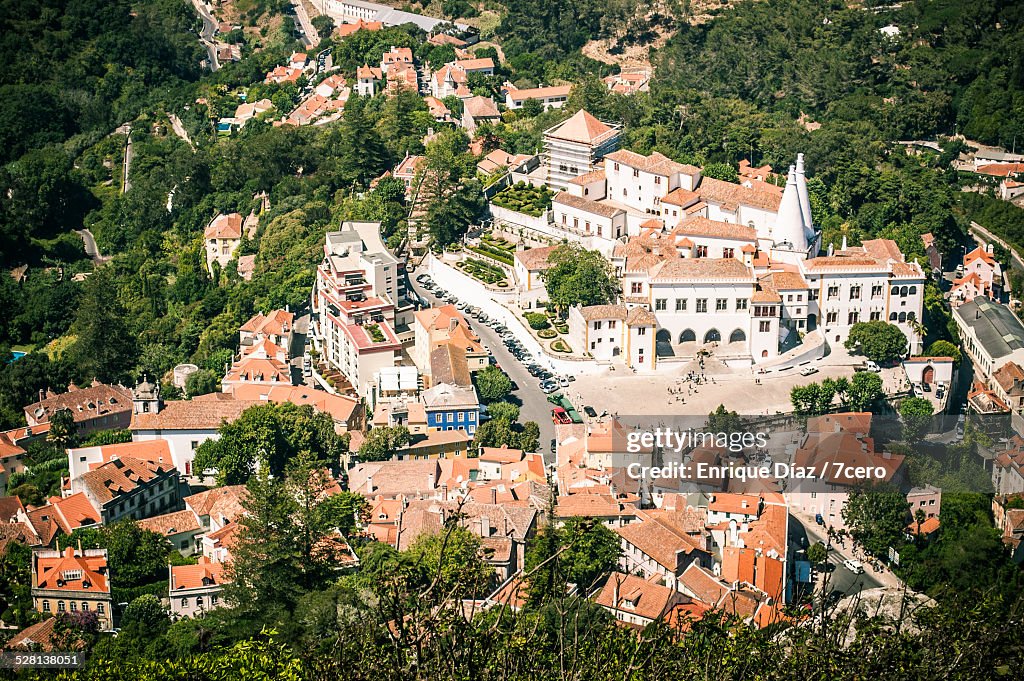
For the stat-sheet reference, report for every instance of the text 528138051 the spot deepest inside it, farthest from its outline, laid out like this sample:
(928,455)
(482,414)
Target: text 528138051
(39,660)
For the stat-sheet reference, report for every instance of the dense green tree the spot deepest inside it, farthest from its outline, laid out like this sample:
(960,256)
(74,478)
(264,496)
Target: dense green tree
(878,341)
(817,554)
(63,429)
(493,384)
(942,348)
(285,547)
(271,435)
(447,183)
(144,617)
(876,517)
(864,392)
(721,420)
(383,442)
(202,382)
(813,399)
(503,411)
(579,277)
(104,348)
(916,413)
(357,150)
(577,553)
(135,555)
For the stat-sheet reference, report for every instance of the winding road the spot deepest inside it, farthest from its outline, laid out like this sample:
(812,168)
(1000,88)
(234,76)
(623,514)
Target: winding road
(207,33)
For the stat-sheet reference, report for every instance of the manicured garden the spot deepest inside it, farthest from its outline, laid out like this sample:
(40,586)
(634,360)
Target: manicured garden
(374,332)
(499,254)
(560,346)
(484,271)
(524,198)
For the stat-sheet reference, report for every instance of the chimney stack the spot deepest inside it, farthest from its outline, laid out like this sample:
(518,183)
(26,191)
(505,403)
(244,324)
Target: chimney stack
(369,484)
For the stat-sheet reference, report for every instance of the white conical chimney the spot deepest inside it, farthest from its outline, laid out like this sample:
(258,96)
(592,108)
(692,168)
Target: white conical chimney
(789,224)
(844,243)
(805,200)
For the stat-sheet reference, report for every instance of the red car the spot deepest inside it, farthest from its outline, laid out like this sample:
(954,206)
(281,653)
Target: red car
(559,415)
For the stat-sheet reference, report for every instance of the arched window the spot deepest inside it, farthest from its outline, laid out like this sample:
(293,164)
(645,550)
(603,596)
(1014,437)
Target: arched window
(895,291)
(903,291)
(687,336)
(737,336)
(712,336)
(184,602)
(60,606)
(903,317)
(46,606)
(913,290)
(911,316)
(100,608)
(892,317)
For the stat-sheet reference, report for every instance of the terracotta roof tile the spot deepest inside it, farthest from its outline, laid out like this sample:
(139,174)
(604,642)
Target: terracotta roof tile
(171,523)
(580,203)
(695,269)
(580,127)
(225,227)
(701,226)
(635,595)
(204,574)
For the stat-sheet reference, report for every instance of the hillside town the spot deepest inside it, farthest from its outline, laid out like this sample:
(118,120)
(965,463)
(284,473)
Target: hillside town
(429,341)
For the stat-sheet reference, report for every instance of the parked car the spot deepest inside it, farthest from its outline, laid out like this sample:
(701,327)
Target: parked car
(854,566)
(560,415)
(918,390)
(563,381)
(819,519)
(590,411)
(808,371)
(422,277)
(872,366)
(940,392)
(547,387)
(927,388)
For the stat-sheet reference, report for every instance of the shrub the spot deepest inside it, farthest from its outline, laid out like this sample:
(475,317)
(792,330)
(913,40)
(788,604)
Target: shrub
(560,346)
(537,321)
(547,333)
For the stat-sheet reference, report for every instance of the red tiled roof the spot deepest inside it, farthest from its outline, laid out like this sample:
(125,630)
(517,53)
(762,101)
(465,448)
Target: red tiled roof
(635,595)
(71,571)
(121,476)
(84,403)
(225,227)
(204,574)
(170,524)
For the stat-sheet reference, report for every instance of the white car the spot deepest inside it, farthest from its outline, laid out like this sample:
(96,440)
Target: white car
(871,366)
(918,390)
(854,566)
(808,371)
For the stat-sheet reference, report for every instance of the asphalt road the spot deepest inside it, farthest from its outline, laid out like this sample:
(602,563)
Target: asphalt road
(533,403)
(128,154)
(846,582)
(91,249)
(310,36)
(208,31)
(840,578)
